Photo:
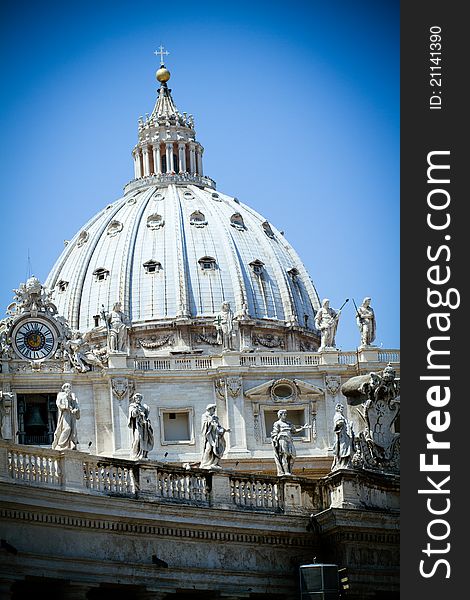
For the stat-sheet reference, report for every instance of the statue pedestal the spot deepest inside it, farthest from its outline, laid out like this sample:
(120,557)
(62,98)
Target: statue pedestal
(230,358)
(117,360)
(350,488)
(329,356)
(368,353)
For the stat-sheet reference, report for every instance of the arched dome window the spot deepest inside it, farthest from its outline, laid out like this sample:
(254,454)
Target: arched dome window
(257,266)
(293,274)
(155,221)
(267,229)
(207,263)
(114,228)
(101,274)
(62,285)
(198,219)
(236,220)
(82,238)
(152,266)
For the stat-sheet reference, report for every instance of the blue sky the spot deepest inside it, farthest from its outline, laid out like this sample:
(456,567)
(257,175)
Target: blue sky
(296,104)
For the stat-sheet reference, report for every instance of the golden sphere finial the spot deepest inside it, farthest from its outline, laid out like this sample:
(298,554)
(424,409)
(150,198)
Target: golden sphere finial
(163,74)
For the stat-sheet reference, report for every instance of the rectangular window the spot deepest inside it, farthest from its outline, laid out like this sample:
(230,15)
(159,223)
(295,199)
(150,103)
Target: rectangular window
(297,416)
(176,426)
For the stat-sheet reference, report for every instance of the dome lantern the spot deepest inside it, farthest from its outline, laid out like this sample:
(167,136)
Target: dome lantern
(167,149)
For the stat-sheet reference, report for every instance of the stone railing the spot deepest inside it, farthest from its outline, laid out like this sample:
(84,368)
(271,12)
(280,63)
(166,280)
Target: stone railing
(27,464)
(173,364)
(80,472)
(257,492)
(265,360)
(166,178)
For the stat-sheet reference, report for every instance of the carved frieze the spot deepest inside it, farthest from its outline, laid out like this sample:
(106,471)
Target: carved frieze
(268,340)
(155,341)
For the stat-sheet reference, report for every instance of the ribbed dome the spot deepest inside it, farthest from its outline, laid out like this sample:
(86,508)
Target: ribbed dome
(177,251)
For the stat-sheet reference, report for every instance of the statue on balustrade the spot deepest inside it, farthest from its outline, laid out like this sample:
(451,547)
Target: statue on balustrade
(283,443)
(213,442)
(141,426)
(365,319)
(326,321)
(344,444)
(65,435)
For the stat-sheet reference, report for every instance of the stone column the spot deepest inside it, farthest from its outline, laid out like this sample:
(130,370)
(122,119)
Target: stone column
(137,173)
(199,160)
(182,157)
(192,159)
(157,161)
(146,156)
(169,157)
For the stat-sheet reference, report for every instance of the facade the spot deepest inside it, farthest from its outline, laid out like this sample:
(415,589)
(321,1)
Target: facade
(169,402)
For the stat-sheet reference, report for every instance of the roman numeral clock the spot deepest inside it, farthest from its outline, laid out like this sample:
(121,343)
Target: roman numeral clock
(34,338)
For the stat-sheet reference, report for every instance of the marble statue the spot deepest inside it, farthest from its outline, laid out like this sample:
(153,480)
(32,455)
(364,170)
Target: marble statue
(141,426)
(344,444)
(377,400)
(224,326)
(6,401)
(32,296)
(283,443)
(326,321)
(81,355)
(118,326)
(365,319)
(213,442)
(65,435)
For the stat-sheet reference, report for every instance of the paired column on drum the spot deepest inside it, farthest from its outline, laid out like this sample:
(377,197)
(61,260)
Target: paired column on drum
(148,159)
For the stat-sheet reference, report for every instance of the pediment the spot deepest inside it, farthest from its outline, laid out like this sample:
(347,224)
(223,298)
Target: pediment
(301,389)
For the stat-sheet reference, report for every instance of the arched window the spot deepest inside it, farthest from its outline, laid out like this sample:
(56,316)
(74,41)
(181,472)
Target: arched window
(198,219)
(293,274)
(82,238)
(236,220)
(62,285)
(267,229)
(155,221)
(114,228)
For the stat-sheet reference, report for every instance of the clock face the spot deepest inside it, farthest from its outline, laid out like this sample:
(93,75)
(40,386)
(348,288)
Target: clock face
(34,339)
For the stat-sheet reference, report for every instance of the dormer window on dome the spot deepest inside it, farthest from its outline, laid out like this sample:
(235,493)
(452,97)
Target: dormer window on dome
(101,274)
(236,220)
(257,266)
(82,238)
(114,228)
(62,285)
(293,274)
(155,221)
(152,266)
(207,263)
(198,219)
(267,229)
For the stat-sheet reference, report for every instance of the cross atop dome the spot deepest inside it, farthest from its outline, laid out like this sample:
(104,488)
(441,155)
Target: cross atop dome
(161,51)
